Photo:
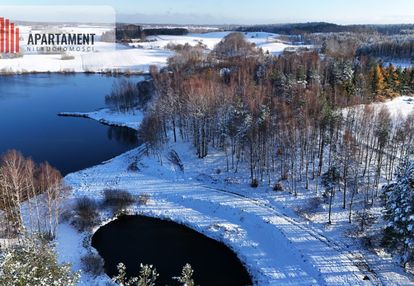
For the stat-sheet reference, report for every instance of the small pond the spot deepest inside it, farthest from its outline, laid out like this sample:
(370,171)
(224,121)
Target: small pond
(168,246)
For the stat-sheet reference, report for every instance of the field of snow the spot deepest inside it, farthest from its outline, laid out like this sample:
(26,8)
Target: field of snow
(263,227)
(275,249)
(105,57)
(267,41)
(137,57)
(123,60)
(399,106)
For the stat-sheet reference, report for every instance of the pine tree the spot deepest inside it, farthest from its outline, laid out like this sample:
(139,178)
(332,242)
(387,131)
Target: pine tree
(400,213)
(34,262)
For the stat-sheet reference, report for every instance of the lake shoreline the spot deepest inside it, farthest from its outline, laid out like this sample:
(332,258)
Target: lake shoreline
(109,117)
(68,73)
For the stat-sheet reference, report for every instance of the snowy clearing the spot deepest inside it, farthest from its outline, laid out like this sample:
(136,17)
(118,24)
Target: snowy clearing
(122,60)
(400,106)
(135,58)
(277,246)
(267,41)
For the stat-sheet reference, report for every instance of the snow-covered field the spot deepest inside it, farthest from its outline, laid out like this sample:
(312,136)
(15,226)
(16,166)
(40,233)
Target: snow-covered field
(277,246)
(135,58)
(400,106)
(121,60)
(267,41)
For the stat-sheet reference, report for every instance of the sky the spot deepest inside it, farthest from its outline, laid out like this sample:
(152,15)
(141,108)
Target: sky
(249,11)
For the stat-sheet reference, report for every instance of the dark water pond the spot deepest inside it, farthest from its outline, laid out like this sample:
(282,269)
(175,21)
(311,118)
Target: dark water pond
(29,123)
(168,246)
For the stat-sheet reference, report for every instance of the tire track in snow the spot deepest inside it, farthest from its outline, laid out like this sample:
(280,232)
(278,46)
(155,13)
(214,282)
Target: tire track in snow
(357,260)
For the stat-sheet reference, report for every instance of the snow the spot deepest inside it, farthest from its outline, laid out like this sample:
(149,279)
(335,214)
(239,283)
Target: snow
(131,119)
(277,246)
(126,60)
(136,57)
(136,60)
(267,41)
(275,251)
(399,106)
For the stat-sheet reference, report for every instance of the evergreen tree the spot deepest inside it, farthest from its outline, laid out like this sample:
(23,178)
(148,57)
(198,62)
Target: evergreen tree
(34,262)
(400,213)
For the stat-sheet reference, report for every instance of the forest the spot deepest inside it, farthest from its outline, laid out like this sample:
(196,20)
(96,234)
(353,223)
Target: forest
(301,121)
(324,27)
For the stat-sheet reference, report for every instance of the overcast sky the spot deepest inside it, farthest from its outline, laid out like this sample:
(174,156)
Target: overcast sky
(249,11)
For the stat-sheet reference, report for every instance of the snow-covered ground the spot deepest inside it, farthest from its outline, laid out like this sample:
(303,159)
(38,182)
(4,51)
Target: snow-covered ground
(131,119)
(399,106)
(137,57)
(267,41)
(122,60)
(278,246)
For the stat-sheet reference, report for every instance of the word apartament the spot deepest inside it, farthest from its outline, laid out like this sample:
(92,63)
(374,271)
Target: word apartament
(61,39)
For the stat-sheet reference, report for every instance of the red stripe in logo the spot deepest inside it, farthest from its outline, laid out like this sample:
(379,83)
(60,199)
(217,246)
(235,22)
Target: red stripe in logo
(9,37)
(17,41)
(1,35)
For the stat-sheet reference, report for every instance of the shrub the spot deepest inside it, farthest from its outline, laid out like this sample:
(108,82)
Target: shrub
(133,167)
(147,276)
(254,183)
(143,199)
(86,213)
(93,264)
(278,187)
(118,199)
(186,277)
(311,207)
(66,57)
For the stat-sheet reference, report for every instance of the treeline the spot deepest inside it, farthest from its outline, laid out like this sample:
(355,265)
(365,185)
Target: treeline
(388,82)
(127,32)
(127,95)
(323,27)
(391,50)
(294,120)
(165,31)
(296,28)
